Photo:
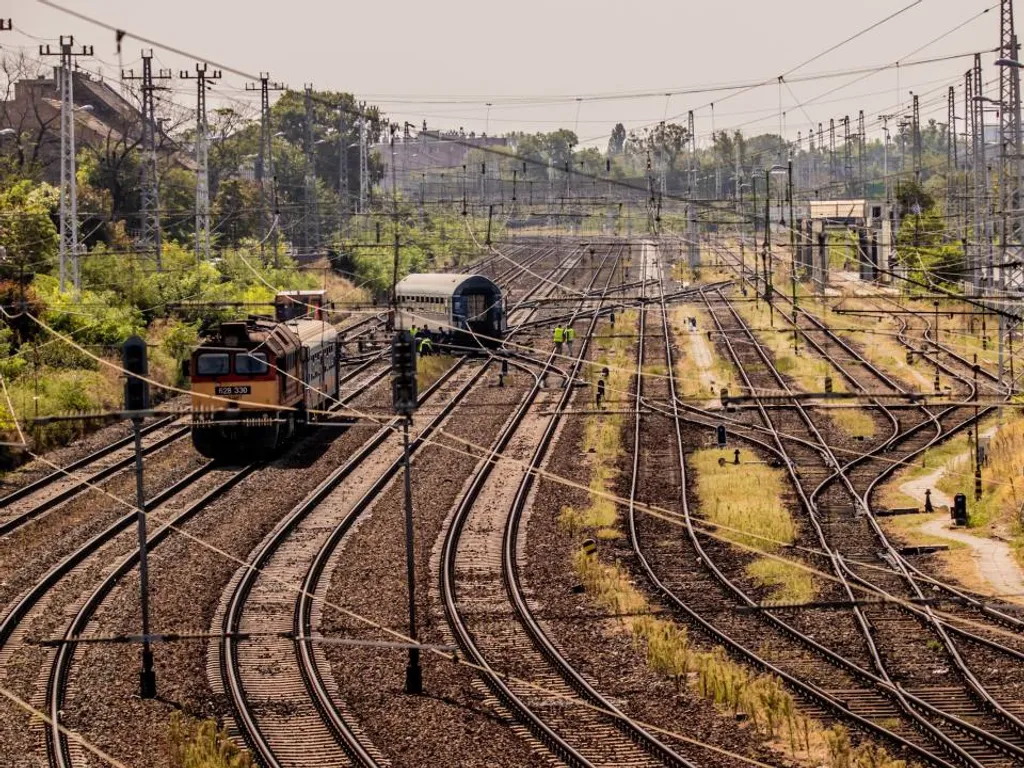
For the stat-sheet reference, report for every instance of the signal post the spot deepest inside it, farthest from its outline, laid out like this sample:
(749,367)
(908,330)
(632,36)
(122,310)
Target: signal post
(404,396)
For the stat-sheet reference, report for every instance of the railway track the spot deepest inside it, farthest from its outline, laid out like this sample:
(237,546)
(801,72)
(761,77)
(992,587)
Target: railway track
(833,504)
(277,685)
(109,556)
(492,618)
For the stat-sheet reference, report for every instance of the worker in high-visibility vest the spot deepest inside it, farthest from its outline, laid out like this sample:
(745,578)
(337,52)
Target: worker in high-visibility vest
(425,347)
(570,337)
(559,338)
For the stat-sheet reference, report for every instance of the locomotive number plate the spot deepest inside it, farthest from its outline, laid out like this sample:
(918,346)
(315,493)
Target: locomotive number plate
(233,391)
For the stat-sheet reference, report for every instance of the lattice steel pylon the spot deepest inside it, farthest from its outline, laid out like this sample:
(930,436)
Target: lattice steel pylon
(1010,147)
(265,163)
(981,185)
(202,75)
(832,151)
(862,140)
(692,181)
(69,245)
(150,234)
(311,208)
(970,161)
(952,161)
(364,161)
(915,124)
(847,157)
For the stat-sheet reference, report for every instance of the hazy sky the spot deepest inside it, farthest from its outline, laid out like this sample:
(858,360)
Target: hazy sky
(412,57)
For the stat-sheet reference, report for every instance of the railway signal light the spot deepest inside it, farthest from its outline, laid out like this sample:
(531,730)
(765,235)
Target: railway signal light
(720,433)
(960,509)
(136,365)
(403,373)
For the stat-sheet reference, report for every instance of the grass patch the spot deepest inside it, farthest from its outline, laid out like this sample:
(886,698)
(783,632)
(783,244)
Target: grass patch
(789,583)
(430,368)
(1002,497)
(747,501)
(761,700)
(201,744)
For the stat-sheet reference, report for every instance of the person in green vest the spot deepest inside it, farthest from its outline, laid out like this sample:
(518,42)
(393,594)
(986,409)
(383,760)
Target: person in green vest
(570,337)
(559,338)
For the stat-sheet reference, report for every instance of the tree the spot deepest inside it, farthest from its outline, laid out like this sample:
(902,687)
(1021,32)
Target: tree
(27,231)
(32,147)
(617,141)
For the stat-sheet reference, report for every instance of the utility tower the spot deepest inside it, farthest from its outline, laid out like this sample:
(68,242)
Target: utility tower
(862,143)
(847,157)
(970,163)
(915,124)
(265,162)
(364,161)
(981,186)
(343,202)
(311,212)
(1010,145)
(69,248)
(693,154)
(832,172)
(202,158)
(952,161)
(150,236)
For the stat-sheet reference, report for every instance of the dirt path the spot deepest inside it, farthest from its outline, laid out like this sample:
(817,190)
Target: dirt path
(992,558)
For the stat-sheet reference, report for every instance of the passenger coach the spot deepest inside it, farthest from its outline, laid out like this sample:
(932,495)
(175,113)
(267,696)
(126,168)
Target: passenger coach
(470,307)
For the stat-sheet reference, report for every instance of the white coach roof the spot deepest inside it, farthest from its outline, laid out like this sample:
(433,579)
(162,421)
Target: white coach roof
(440,284)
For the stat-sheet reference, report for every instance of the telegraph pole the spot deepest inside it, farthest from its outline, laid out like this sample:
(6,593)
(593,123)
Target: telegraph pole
(69,247)
(265,163)
(202,158)
(150,178)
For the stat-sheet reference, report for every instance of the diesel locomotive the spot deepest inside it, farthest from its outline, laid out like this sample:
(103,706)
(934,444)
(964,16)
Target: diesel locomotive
(256,381)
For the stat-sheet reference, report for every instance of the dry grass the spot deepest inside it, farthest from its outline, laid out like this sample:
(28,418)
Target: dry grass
(806,369)
(201,744)
(746,500)
(430,368)
(762,700)
(602,434)
(1002,501)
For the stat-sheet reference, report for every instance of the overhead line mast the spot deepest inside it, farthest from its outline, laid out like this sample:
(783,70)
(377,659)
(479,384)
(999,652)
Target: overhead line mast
(69,246)
(202,159)
(150,172)
(265,164)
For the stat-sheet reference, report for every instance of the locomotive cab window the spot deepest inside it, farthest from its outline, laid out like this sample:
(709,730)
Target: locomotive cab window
(213,364)
(252,364)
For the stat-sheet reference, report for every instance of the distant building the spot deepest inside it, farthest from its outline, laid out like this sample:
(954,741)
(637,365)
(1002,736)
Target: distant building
(430,153)
(103,118)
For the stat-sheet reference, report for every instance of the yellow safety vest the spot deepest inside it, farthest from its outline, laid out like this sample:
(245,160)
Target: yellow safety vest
(425,344)
(559,335)
(570,334)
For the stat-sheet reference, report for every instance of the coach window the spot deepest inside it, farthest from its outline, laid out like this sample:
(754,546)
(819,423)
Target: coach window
(213,365)
(251,364)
